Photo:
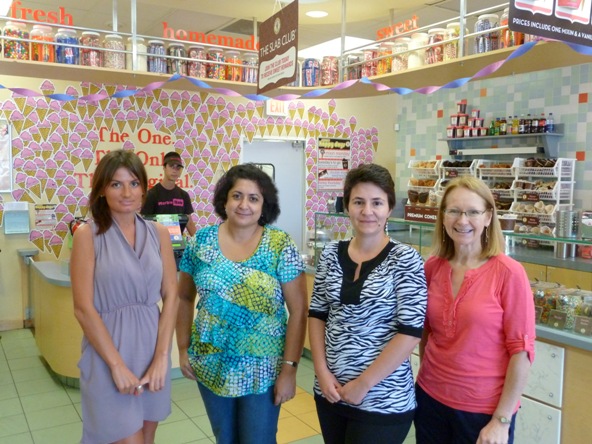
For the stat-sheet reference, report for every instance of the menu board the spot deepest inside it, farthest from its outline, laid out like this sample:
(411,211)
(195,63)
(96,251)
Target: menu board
(171,221)
(567,20)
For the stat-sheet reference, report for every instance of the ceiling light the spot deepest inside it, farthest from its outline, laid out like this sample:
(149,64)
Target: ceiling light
(317,14)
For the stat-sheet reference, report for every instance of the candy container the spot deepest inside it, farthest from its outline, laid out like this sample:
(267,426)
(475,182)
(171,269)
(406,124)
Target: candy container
(250,70)
(91,54)
(113,59)
(176,65)
(141,58)
(196,67)
(329,71)
(233,70)
(156,60)
(214,70)
(40,51)
(66,52)
(15,49)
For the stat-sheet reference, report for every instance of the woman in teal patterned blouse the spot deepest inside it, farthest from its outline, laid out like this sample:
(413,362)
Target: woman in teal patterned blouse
(242,347)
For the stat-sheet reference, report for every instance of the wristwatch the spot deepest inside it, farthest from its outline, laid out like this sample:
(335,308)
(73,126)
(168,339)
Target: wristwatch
(292,363)
(503,419)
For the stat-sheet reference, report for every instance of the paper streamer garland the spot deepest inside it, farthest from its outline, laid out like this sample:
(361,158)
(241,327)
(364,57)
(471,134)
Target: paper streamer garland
(489,69)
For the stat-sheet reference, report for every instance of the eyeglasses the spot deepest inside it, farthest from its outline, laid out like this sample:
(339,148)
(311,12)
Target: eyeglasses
(453,213)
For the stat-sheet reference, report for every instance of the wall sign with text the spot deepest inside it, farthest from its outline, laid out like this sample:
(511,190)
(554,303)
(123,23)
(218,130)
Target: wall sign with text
(567,20)
(333,163)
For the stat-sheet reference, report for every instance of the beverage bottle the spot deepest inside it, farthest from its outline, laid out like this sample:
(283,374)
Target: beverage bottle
(515,125)
(509,125)
(527,123)
(496,127)
(503,126)
(521,124)
(550,125)
(534,124)
(542,123)
(492,128)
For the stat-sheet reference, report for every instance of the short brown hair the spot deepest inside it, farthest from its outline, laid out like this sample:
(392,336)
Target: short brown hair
(492,238)
(103,175)
(370,173)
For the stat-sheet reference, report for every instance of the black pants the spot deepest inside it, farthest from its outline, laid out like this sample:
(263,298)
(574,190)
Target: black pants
(340,429)
(436,423)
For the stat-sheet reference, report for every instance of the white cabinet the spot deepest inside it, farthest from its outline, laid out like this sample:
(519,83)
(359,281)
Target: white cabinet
(545,381)
(539,418)
(537,423)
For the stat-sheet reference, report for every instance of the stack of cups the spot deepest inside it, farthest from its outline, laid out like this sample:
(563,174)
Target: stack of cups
(565,228)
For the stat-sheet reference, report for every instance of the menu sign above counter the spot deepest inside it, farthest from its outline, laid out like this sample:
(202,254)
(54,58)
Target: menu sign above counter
(567,20)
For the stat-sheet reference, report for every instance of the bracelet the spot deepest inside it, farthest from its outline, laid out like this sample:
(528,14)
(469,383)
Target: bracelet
(292,363)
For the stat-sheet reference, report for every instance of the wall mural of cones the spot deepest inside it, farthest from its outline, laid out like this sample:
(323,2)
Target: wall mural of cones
(56,144)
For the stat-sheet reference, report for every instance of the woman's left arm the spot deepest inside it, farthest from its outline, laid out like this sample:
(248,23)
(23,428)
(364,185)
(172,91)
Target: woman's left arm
(496,432)
(156,374)
(295,296)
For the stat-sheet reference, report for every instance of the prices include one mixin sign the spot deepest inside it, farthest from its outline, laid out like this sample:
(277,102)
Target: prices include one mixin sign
(567,20)
(333,163)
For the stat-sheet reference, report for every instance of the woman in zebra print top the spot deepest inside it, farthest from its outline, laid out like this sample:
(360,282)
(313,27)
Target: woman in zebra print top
(366,316)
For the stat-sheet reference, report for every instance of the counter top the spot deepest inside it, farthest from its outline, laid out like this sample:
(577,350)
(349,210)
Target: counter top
(52,272)
(564,337)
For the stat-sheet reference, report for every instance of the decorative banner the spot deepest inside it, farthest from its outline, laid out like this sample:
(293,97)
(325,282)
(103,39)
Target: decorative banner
(333,162)
(567,20)
(278,49)
(488,70)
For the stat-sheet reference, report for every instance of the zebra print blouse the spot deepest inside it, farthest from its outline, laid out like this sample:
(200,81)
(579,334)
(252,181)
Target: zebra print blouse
(362,316)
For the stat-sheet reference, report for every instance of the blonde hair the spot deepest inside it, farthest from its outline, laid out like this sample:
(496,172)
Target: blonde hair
(492,238)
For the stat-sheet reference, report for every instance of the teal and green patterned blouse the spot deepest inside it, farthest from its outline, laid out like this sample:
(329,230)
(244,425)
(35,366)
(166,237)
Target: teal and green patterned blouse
(238,335)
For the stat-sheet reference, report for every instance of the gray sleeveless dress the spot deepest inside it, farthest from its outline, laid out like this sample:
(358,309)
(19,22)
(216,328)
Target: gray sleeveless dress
(126,293)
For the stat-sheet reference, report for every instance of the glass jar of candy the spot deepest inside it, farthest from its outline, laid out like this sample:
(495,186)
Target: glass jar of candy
(385,60)
(417,55)
(234,70)
(451,46)
(91,54)
(40,51)
(488,41)
(509,38)
(16,49)
(353,68)
(196,67)
(214,70)
(176,65)
(114,59)
(369,68)
(329,71)
(141,59)
(66,52)
(250,67)
(401,56)
(435,51)
(311,72)
(156,57)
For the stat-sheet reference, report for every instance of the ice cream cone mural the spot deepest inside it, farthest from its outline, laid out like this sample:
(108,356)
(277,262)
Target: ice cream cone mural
(36,237)
(269,124)
(47,87)
(250,109)
(332,104)
(175,100)
(50,189)
(250,132)
(34,186)
(297,127)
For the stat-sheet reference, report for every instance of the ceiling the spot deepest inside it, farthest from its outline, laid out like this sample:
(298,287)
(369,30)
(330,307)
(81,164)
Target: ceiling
(236,17)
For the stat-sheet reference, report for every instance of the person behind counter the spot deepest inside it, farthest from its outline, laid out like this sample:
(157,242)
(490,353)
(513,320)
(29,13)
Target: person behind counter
(121,267)
(166,197)
(242,347)
(366,317)
(478,342)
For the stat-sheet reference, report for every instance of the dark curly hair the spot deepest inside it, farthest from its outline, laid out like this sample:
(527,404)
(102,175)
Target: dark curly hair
(370,173)
(103,175)
(248,171)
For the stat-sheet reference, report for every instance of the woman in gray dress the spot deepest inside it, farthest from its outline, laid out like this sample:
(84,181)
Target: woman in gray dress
(121,267)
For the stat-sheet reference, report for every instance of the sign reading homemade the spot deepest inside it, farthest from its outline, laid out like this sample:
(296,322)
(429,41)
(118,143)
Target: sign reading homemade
(278,49)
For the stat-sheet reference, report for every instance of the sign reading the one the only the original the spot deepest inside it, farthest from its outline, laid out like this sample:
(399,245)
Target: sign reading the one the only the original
(567,20)
(278,49)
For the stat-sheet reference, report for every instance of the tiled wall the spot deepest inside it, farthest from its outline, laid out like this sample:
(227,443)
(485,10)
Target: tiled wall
(566,92)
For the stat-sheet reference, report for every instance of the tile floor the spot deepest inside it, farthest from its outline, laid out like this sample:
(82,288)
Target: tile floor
(35,408)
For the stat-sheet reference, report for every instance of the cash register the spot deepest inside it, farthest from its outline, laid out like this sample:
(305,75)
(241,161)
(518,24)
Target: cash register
(175,223)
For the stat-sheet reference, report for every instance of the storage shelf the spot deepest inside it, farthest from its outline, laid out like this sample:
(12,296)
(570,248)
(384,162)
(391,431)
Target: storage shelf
(544,142)
(544,55)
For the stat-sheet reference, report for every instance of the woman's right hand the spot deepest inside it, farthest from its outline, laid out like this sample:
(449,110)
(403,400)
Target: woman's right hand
(329,385)
(126,382)
(186,369)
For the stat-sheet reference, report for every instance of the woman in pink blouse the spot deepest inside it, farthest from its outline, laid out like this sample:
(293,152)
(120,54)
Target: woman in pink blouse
(478,340)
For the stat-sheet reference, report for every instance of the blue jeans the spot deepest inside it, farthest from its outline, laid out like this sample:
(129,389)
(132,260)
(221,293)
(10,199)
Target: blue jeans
(436,423)
(250,419)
